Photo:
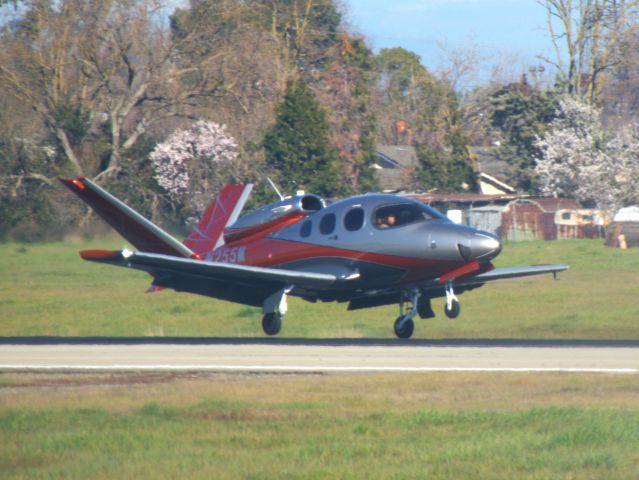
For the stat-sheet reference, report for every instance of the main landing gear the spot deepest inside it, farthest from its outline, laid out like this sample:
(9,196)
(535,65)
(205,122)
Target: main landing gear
(274,309)
(420,304)
(404,325)
(272,323)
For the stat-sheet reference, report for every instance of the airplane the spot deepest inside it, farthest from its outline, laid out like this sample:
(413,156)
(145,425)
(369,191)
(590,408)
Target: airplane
(368,250)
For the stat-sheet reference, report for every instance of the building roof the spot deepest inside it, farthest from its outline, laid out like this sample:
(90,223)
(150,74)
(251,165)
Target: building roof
(627,214)
(488,183)
(397,156)
(394,163)
(553,204)
(489,162)
(465,198)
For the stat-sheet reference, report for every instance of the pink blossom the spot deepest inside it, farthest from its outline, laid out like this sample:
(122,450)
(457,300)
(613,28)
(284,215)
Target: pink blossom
(182,158)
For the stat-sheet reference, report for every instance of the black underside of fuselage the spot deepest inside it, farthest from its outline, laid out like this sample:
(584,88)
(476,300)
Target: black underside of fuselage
(377,284)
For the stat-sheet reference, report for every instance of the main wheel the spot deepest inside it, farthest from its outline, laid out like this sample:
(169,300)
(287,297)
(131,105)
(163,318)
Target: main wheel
(272,323)
(404,330)
(455,308)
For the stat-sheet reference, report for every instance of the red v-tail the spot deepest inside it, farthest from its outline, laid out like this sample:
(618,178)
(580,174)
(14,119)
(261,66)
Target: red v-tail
(223,211)
(140,232)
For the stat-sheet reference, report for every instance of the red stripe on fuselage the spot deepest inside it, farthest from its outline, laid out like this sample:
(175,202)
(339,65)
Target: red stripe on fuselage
(270,252)
(252,234)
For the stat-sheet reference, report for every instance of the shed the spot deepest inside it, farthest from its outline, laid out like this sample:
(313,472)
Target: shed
(477,210)
(549,219)
(487,218)
(624,229)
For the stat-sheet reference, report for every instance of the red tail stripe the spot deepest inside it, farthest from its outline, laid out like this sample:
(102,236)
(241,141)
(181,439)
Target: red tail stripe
(204,237)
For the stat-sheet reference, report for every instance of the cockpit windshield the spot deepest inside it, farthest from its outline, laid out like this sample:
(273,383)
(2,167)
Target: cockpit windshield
(399,214)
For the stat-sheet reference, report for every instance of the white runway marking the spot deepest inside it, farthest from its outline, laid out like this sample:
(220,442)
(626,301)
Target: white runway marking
(309,358)
(307,369)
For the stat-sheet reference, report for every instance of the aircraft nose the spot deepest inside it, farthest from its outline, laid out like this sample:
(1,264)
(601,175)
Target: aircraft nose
(484,246)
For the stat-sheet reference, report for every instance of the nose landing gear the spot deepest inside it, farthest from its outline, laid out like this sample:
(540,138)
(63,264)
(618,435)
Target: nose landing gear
(404,325)
(452,307)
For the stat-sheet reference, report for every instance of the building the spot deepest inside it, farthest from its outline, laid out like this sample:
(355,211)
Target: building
(549,219)
(518,217)
(624,230)
(493,173)
(473,209)
(395,165)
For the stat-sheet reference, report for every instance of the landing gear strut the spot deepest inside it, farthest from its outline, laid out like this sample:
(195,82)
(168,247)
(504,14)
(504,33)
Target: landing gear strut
(274,309)
(404,325)
(452,308)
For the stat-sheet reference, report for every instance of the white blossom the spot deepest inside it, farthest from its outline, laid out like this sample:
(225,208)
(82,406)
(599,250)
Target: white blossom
(186,160)
(581,159)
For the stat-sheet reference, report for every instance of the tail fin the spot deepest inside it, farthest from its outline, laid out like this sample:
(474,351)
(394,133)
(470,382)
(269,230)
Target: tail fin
(223,211)
(143,234)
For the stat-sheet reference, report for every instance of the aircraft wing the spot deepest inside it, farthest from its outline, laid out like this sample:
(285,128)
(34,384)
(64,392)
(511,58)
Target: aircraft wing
(435,287)
(510,272)
(240,283)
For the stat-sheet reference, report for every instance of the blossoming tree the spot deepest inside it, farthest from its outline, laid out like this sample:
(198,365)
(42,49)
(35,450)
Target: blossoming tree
(581,159)
(191,163)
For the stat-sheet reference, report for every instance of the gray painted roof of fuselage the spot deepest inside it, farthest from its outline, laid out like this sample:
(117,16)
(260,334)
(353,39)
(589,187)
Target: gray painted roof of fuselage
(409,240)
(374,200)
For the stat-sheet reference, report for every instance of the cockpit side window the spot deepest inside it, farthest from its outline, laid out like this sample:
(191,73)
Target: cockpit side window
(354,219)
(327,224)
(306,229)
(399,214)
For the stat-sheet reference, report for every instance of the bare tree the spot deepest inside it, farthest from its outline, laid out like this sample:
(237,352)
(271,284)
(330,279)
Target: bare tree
(114,69)
(590,33)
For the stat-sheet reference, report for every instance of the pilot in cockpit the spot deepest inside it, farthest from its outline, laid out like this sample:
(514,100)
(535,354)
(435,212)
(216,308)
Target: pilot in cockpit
(386,221)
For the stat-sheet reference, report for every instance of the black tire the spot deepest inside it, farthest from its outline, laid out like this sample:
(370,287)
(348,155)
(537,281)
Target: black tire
(455,308)
(406,330)
(272,323)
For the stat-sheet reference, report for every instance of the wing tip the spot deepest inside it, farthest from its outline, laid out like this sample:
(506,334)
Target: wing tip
(75,183)
(100,255)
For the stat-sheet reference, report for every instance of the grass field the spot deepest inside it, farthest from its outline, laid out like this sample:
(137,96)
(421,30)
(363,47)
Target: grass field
(46,289)
(436,426)
(491,426)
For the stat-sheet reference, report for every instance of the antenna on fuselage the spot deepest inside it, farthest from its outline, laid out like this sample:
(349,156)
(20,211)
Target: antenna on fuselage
(275,188)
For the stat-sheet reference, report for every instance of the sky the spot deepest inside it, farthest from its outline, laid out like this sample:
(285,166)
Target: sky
(509,33)
(513,31)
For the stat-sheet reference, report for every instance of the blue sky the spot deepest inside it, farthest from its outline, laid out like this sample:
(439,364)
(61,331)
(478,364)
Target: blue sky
(511,29)
(512,32)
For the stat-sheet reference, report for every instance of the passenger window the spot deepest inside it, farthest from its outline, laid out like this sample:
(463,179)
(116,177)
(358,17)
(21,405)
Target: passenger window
(354,219)
(327,224)
(307,228)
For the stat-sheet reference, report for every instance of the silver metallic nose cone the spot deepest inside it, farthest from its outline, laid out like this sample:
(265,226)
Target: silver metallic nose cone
(485,246)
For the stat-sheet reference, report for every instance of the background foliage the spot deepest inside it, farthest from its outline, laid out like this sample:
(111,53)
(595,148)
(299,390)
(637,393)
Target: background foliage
(92,88)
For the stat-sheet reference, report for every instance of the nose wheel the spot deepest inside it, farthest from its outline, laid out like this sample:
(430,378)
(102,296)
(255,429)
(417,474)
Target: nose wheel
(452,307)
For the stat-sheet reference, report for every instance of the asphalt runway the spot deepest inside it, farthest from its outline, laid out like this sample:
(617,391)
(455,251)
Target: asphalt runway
(316,356)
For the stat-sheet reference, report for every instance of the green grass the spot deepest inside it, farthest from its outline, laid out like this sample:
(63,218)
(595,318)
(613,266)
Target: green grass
(403,426)
(46,289)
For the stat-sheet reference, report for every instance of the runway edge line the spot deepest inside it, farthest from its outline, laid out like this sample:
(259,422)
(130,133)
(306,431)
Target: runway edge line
(309,369)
